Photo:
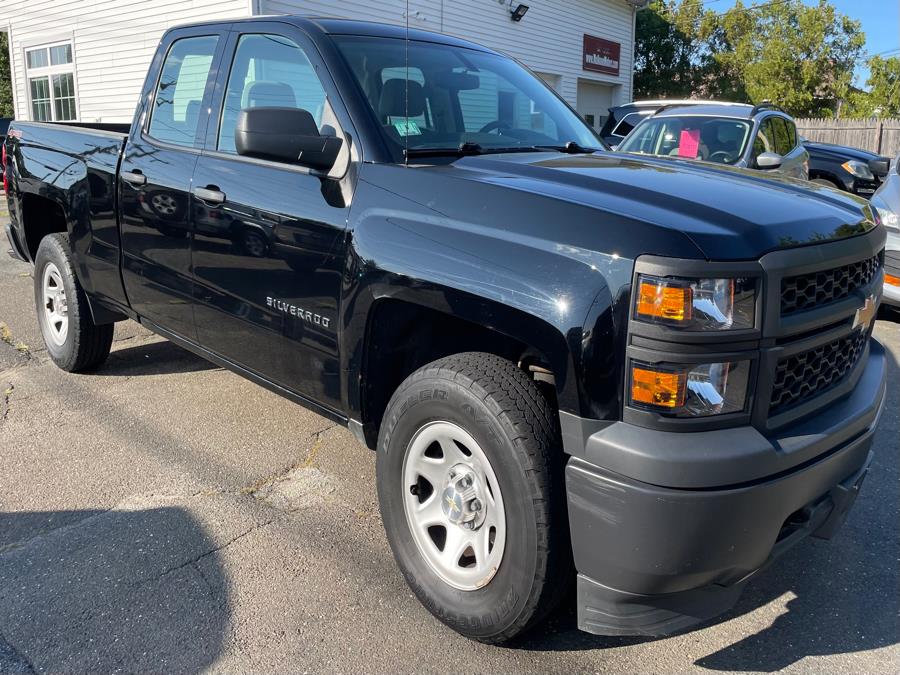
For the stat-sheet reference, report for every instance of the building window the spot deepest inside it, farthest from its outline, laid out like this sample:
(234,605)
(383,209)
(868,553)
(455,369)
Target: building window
(51,82)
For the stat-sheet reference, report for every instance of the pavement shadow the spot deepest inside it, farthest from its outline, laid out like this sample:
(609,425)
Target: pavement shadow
(153,358)
(134,589)
(845,590)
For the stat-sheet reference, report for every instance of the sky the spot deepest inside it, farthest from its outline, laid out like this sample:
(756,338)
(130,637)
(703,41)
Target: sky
(880,21)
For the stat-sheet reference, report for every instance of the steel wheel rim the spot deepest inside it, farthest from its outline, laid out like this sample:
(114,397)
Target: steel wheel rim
(54,309)
(468,554)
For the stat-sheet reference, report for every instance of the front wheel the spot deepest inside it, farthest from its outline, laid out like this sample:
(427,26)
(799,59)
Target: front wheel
(472,495)
(74,342)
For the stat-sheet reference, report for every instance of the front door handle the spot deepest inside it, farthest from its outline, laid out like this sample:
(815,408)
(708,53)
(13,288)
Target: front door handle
(134,177)
(209,195)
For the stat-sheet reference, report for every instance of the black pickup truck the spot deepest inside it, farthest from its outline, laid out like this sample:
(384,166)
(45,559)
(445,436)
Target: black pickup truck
(644,378)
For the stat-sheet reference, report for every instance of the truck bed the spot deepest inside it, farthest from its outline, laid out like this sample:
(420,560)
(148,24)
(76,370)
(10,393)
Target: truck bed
(69,169)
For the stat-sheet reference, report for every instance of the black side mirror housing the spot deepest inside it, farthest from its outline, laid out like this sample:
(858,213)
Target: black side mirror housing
(880,166)
(285,135)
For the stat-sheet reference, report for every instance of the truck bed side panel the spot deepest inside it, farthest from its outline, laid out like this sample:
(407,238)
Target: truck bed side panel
(75,168)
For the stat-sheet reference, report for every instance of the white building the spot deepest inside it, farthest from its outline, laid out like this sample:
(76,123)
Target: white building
(85,60)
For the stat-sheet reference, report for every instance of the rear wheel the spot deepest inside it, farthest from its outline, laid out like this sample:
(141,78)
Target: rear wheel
(472,495)
(74,342)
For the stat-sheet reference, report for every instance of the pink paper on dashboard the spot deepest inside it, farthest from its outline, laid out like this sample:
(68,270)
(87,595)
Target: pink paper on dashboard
(689,143)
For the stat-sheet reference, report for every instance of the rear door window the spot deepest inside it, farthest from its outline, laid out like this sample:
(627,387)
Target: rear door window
(783,143)
(176,113)
(765,138)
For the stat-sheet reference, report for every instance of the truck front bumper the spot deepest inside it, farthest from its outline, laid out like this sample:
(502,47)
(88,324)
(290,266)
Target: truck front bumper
(653,559)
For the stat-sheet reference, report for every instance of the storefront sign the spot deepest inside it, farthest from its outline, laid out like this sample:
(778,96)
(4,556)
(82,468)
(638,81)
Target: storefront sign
(601,56)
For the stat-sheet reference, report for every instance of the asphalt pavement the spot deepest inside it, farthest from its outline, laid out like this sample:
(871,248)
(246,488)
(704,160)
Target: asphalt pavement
(164,515)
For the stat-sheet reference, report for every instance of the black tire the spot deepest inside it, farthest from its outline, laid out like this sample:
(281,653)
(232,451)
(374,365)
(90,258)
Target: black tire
(86,345)
(518,431)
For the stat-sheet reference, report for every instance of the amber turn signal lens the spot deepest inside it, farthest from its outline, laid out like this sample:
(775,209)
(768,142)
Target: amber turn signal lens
(891,280)
(658,300)
(657,387)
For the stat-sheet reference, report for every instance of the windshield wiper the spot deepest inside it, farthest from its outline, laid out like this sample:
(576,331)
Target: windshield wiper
(461,150)
(571,148)
(470,148)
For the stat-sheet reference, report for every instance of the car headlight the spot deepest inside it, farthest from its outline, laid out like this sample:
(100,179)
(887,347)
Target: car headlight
(690,390)
(858,169)
(888,218)
(696,304)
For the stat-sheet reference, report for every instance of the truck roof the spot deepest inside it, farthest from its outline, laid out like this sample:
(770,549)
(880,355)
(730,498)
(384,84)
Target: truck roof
(334,26)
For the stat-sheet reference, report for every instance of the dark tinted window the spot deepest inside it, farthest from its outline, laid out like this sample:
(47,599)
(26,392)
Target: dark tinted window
(629,122)
(783,143)
(176,108)
(269,71)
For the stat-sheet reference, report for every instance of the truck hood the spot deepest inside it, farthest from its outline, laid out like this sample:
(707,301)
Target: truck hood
(838,151)
(728,213)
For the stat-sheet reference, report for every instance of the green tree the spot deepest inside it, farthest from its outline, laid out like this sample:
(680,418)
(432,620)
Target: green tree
(669,50)
(884,86)
(801,57)
(798,56)
(6,98)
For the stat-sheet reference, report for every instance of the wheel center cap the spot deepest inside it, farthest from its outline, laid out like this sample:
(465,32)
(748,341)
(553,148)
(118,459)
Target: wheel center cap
(461,500)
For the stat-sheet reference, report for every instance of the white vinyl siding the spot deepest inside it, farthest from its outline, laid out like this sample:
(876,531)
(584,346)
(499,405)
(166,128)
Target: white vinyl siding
(548,39)
(113,43)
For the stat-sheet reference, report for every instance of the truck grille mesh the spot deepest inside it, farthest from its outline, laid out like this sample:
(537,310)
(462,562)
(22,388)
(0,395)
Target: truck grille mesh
(810,373)
(806,291)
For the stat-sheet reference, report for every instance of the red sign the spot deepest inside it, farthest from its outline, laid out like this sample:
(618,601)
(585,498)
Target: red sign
(601,56)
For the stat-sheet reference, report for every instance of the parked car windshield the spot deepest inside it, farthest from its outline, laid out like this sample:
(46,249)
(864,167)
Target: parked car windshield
(444,96)
(712,139)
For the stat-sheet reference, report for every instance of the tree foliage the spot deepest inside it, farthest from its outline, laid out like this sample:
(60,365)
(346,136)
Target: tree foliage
(883,97)
(801,57)
(6,98)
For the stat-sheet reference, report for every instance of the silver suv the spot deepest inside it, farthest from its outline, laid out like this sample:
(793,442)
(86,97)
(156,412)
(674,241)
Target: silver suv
(760,137)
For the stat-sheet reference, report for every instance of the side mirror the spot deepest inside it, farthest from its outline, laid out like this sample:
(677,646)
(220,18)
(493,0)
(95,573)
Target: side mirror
(768,160)
(880,166)
(285,135)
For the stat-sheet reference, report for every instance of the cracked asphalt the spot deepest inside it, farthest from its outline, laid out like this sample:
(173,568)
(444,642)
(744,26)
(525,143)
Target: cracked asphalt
(164,515)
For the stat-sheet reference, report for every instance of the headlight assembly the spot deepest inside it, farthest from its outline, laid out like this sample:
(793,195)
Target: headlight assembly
(888,218)
(858,169)
(696,304)
(698,390)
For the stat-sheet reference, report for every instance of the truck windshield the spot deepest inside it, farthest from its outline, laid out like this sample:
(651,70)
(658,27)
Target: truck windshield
(430,96)
(712,139)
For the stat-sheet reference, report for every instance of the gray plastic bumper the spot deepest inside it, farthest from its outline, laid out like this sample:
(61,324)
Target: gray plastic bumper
(654,558)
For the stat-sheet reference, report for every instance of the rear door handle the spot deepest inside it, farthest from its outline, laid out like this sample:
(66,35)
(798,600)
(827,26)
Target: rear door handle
(209,195)
(133,177)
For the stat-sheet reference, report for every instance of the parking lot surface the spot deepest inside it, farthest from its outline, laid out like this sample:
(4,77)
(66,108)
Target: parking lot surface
(164,515)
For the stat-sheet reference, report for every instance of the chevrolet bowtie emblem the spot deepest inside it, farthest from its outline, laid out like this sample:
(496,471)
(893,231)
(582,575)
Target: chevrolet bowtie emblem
(451,503)
(865,314)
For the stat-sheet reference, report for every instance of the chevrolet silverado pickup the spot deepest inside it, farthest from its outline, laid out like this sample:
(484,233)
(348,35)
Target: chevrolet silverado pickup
(640,378)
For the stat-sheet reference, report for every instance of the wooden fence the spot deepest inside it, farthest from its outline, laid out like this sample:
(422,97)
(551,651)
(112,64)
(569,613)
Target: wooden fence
(881,136)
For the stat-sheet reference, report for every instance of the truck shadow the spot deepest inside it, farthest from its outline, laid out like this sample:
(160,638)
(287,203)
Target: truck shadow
(153,358)
(842,594)
(139,589)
